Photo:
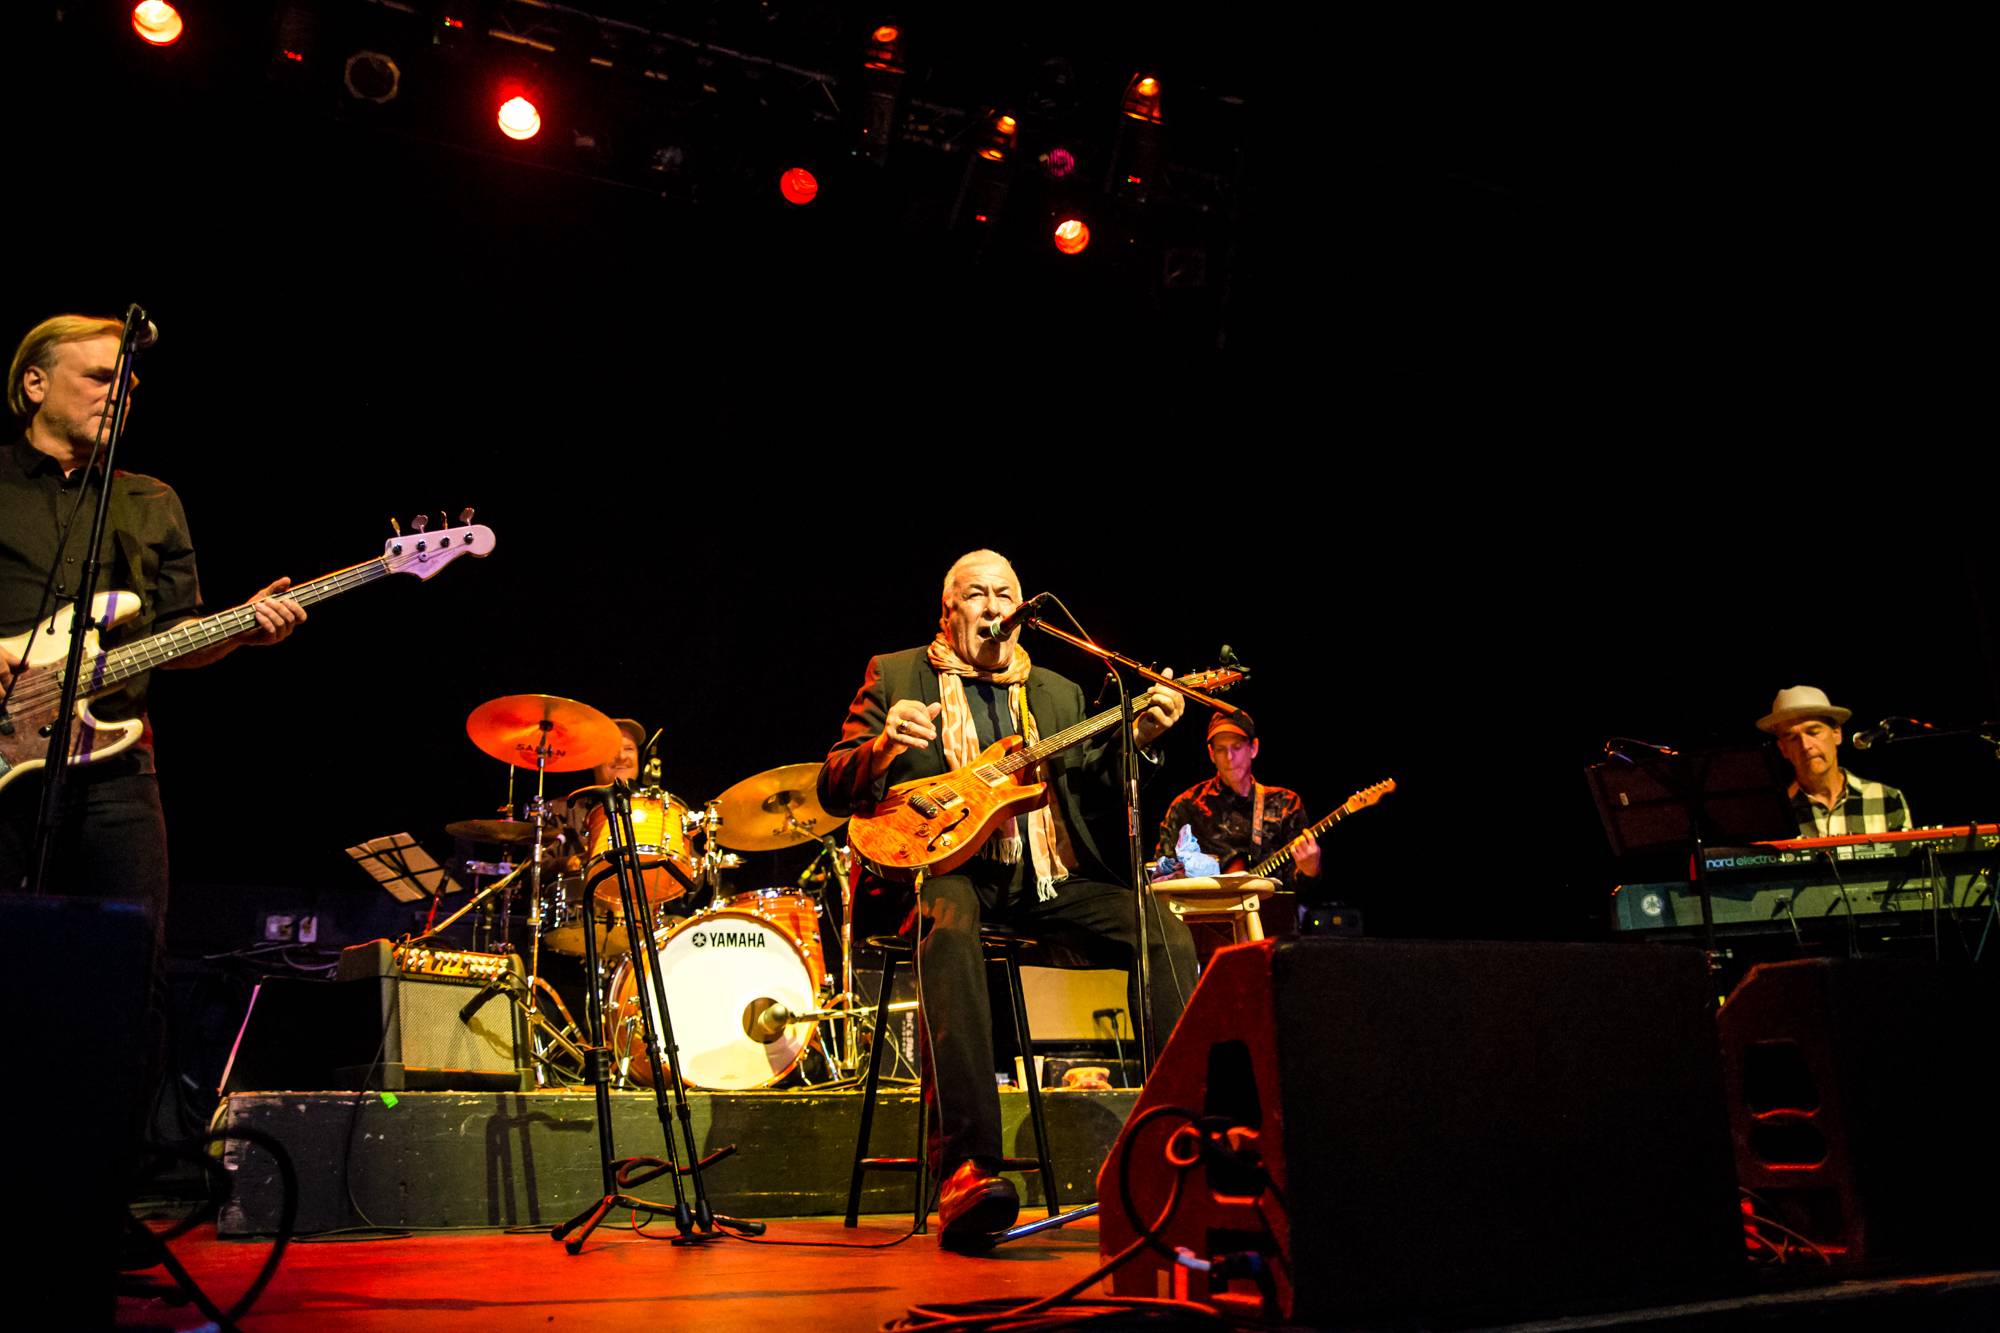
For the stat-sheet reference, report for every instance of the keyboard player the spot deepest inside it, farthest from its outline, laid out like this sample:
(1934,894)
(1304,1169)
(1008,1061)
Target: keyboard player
(1827,800)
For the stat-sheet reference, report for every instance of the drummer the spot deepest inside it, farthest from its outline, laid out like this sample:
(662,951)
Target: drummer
(631,744)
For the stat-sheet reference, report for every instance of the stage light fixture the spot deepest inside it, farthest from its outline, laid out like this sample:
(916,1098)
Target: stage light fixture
(519,118)
(1072,236)
(157,22)
(799,186)
(885,48)
(1142,99)
(1059,162)
(999,139)
(371,76)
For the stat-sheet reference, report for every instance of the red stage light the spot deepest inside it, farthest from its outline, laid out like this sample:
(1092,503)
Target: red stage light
(1060,162)
(157,22)
(887,33)
(799,186)
(1072,236)
(519,119)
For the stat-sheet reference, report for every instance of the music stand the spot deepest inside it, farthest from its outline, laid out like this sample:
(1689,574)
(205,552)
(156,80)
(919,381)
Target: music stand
(1725,794)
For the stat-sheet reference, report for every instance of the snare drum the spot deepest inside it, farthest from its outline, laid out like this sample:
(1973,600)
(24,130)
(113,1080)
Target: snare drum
(661,832)
(795,913)
(724,970)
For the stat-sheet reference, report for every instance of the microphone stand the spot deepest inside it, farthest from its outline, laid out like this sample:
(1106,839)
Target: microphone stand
(1128,776)
(57,766)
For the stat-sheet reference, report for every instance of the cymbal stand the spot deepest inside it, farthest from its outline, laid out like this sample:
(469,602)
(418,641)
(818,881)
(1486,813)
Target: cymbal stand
(848,1060)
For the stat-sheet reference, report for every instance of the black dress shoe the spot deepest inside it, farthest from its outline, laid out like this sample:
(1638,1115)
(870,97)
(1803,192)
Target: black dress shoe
(975,1204)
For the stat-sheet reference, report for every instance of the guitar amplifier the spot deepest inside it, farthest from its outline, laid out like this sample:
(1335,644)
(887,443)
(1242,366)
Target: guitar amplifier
(418,997)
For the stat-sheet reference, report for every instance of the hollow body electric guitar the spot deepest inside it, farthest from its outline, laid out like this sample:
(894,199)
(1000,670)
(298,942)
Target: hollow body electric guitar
(1281,858)
(30,713)
(936,824)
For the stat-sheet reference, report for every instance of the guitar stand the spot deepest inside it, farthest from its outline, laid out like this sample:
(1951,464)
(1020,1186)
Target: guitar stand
(696,1223)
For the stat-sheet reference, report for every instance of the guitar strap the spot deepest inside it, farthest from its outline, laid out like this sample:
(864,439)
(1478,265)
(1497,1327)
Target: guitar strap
(1257,815)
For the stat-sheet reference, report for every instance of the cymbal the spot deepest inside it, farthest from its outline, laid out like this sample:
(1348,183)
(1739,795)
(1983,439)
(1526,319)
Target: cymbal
(511,727)
(492,830)
(777,808)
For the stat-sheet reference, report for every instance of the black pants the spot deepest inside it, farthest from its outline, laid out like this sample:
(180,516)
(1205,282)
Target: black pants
(1090,919)
(111,839)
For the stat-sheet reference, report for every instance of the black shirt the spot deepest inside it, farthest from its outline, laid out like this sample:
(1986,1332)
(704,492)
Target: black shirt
(146,551)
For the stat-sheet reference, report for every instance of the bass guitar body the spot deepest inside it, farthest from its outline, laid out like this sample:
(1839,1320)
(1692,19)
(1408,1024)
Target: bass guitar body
(24,731)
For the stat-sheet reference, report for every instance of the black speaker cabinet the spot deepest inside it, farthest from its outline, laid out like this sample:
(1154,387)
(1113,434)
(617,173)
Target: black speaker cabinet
(1434,1132)
(1859,1099)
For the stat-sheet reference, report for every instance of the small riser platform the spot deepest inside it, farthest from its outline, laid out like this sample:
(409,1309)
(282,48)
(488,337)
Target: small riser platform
(503,1159)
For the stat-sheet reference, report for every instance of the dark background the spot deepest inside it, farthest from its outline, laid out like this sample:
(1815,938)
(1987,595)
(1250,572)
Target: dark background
(1552,384)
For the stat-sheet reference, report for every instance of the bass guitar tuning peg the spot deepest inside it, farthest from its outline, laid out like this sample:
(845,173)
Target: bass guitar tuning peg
(420,522)
(465,517)
(395,528)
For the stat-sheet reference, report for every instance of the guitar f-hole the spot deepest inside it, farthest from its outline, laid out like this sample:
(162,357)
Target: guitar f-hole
(945,833)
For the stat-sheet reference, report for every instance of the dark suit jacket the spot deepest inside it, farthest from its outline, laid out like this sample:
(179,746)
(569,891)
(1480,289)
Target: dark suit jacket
(1085,776)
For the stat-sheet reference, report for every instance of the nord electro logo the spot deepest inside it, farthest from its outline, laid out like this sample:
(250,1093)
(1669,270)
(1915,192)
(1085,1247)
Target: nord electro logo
(728,939)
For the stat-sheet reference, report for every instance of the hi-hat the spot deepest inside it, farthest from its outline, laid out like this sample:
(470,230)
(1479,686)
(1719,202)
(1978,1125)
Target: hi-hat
(513,728)
(777,808)
(491,830)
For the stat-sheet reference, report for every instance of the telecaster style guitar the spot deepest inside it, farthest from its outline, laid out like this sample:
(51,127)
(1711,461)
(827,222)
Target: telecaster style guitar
(30,714)
(1360,801)
(936,824)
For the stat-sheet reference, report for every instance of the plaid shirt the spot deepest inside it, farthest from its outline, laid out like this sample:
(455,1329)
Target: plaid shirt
(1863,807)
(1221,822)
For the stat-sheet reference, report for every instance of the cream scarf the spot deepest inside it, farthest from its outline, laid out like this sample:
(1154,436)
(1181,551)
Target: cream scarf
(1048,841)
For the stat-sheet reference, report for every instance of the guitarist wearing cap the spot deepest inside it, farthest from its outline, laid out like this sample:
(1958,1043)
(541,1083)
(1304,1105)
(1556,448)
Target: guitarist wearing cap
(1235,819)
(928,712)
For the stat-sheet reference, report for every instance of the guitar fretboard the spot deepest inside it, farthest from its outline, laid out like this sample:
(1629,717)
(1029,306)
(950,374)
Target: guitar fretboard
(194,635)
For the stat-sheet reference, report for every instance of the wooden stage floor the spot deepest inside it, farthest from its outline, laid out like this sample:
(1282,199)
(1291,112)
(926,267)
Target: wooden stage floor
(491,1280)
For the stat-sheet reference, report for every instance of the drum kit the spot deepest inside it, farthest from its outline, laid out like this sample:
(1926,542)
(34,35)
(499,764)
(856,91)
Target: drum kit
(745,973)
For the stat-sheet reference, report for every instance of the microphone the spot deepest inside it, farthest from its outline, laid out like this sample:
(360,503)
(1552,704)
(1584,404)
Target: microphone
(765,1019)
(1868,737)
(478,1002)
(1026,613)
(145,335)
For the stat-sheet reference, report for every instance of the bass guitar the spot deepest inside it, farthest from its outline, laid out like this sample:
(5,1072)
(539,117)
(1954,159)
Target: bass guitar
(936,824)
(30,713)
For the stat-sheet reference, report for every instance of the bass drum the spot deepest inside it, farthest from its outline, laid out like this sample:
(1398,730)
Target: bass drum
(797,914)
(724,971)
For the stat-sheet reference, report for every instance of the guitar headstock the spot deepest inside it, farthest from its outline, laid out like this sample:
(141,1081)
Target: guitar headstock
(1367,796)
(424,553)
(1214,682)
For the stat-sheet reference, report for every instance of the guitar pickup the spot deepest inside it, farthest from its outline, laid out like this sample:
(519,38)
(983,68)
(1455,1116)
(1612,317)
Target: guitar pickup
(934,802)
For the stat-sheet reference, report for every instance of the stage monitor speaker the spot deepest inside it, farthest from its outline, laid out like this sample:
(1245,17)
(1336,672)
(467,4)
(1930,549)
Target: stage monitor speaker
(1412,1132)
(1859,1097)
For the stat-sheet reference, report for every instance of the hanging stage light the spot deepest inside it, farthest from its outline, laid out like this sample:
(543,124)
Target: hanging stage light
(1142,99)
(799,186)
(999,139)
(157,22)
(519,118)
(1072,236)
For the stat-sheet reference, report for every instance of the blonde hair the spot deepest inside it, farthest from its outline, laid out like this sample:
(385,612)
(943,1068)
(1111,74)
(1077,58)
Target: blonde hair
(38,350)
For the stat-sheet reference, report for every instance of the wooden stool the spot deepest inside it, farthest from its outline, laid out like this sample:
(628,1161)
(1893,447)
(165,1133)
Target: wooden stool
(999,946)
(1236,899)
